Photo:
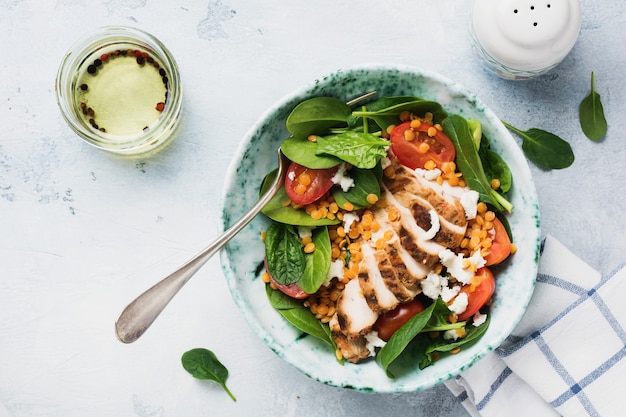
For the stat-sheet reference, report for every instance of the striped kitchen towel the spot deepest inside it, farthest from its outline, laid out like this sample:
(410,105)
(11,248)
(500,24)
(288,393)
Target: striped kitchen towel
(566,357)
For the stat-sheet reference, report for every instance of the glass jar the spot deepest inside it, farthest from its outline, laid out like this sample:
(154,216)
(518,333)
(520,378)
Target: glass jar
(120,90)
(521,39)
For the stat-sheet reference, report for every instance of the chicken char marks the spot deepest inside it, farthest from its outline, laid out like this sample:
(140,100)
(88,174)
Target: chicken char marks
(394,263)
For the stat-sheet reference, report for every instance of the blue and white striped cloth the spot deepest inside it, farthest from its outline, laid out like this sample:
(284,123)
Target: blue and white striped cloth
(567,356)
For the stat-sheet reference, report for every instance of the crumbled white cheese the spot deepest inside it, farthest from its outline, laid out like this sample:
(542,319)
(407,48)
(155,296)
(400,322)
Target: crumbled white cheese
(291,175)
(432,284)
(348,219)
(459,304)
(479,319)
(448,293)
(305,231)
(455,264)
(434,225)
(340,178)
(477,259)
(451,334)
(373,341)
(469,201)
(336,271)
(385,162)
(428,174)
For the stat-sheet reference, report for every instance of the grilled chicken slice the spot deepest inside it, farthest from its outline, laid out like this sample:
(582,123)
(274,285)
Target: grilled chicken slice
(353,348)
(354,315)
(378,297)
(446,203)
(428,218)
(381,275)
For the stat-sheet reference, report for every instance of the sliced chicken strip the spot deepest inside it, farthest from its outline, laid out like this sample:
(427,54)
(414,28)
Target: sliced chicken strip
(448,235)
(406,267)
(353,349)
(354,315)
(378,297)
(392,278)
(406,180)
(390,271)
(412,237)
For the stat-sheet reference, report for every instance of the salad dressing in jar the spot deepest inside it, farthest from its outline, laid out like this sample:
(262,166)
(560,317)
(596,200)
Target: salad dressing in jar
(120,90)
(521,39)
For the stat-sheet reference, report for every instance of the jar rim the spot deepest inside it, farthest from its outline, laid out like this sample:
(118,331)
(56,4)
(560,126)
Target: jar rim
(104,39)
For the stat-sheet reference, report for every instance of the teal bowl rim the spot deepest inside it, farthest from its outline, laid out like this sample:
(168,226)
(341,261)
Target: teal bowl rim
(493,338)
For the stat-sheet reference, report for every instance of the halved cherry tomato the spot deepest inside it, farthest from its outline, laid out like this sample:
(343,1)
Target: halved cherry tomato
(292,290)
(388,323)
(306,185)
(412,154)
(478,293)
(500,244)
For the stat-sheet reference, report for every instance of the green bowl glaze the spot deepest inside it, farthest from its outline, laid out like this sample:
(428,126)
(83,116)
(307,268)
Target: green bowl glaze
(243,256)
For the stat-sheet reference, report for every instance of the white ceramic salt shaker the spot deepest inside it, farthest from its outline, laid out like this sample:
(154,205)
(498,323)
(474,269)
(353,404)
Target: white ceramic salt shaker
(521,39)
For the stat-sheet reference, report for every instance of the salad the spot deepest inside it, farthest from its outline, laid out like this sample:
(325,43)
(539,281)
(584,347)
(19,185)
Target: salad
(388,229)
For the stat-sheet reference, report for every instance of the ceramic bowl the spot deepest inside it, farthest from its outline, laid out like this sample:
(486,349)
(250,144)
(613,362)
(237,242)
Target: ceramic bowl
(242,258)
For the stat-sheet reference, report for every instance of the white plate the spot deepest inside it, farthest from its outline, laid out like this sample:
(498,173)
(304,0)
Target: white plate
(242,258)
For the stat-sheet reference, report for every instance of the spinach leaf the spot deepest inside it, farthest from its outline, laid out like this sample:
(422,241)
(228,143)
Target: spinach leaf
(386,111)
(495,166)
(317,115)
(284,254)
(203,364)
(544,149)
(439,318)
(362,150)
(468,161)
(477,132)
(498,168)
(402,337)
(341,200)
(366,182)
(317,264)
(279,212)
(281,301)
(433,318)
(304,152)
(375,106)
(442,345)
(276,211)
(591,115)
(299,316)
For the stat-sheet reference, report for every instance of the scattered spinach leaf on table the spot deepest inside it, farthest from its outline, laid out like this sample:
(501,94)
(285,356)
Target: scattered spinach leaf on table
(203,364)
(591,115)
(544,149)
